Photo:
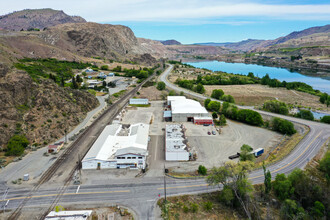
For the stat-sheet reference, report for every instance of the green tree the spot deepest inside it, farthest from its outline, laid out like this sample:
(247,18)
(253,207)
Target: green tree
(305,114)
(325,165)
(217,93)
(326,119)
(246,153)
(234,176)
(251,75)
(318,210)
(290,210)
(227,196)
(282,187)
(74,83)
(79,79)
(161,86)
(202,170)
(16,145)
(105,67)
(214,115)
(223,120)
(206,103)
(228,98)
(142,74)
(214,106)
(200,88)
(323,98)
(268,180)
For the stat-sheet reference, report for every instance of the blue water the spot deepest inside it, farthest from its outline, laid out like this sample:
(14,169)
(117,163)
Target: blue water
(318,115)
(258,70)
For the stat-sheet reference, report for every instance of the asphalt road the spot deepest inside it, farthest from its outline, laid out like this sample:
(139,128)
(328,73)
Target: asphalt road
(141,194)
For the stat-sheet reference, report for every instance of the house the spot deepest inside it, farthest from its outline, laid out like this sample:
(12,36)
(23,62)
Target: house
(55,148)
(111,74)
(101,75)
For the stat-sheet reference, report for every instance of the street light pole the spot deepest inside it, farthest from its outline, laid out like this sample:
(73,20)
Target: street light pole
(164,184)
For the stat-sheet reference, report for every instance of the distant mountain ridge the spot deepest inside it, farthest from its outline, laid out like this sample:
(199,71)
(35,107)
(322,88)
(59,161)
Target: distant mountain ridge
(170,42)
(254,44)
(36,18)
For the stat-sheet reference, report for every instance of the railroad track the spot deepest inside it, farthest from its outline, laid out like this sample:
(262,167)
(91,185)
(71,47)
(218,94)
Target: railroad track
(114,109)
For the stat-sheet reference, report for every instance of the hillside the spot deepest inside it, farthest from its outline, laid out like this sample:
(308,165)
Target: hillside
(36,18)
(42,111)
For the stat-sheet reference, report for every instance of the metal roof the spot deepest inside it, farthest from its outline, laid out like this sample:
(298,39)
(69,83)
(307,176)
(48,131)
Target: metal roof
(116,137)
(187,106)
(167,114)
(175,138)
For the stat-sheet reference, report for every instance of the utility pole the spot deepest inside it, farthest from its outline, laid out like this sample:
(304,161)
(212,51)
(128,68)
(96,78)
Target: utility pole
(164,184)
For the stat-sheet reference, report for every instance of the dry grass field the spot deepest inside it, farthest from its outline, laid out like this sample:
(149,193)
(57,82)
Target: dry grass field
(253,95)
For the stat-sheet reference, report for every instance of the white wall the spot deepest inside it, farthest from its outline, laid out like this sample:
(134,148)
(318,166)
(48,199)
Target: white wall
(177,156)
(140,163)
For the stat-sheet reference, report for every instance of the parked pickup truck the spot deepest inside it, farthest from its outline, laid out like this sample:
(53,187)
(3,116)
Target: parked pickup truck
(234,156)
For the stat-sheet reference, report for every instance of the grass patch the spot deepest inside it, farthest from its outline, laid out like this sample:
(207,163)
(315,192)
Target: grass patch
(283,149)
(140,105)
(117,94)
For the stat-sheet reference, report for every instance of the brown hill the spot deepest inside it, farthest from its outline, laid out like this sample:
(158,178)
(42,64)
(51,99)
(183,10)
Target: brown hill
(42,111)
(36,18)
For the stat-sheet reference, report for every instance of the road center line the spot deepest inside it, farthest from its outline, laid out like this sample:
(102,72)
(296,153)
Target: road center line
(178,187)
(294,159)
(67,194)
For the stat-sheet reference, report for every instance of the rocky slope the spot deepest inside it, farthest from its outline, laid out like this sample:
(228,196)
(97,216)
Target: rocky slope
(42,111)
(36,18)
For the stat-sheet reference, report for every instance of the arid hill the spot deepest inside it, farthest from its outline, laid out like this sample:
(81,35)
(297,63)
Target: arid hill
(42,111)
(36,18)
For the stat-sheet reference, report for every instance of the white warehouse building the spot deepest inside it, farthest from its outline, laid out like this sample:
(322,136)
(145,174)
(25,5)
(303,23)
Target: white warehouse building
(183,109)
(119,146)
(175,143)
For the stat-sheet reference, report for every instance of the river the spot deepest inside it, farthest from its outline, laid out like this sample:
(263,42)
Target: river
(322,84)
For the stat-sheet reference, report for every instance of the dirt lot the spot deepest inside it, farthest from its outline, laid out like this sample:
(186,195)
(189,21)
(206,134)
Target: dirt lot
(151,93)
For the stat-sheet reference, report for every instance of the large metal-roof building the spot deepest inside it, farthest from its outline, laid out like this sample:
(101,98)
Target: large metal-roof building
(183,109)
(119,146)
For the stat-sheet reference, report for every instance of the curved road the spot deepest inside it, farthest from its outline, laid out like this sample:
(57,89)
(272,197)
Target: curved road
(141,194)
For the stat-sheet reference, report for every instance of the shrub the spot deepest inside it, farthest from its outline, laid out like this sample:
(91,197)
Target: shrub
(105,67)
(161,86)
(194,207)
(208,205)
(202,170)
(214,115)
(283,126)
(276,107)
(185,209)
(214,106)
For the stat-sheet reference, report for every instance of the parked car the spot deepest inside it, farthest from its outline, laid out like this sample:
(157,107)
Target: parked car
(209,133)
(214,133)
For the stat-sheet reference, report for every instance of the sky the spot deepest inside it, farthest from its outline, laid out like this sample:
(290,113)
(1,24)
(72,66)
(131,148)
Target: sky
(193,21)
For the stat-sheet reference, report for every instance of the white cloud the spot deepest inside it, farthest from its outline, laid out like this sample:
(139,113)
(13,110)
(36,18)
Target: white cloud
(173,10)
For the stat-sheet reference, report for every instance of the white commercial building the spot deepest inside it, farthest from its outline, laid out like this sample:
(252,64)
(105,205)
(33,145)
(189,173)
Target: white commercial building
(138,101)
(185,109)
(119,146)
(175,143)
